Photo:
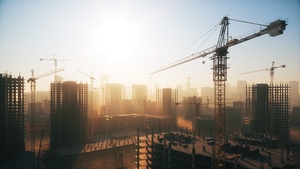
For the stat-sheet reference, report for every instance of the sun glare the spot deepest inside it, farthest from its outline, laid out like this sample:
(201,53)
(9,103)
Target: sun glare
(117,40)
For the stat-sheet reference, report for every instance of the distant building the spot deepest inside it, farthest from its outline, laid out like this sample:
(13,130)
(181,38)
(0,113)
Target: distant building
(166,99)
(69,109)
(139,97)
(46,106)
(180,92)
(139,92)
(296,116)
(240,89)
(12,108)
(233,119)
(295,98)
(114,93)
(38,108)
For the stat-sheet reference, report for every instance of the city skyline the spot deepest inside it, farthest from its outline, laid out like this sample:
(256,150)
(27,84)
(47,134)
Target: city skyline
(128,40)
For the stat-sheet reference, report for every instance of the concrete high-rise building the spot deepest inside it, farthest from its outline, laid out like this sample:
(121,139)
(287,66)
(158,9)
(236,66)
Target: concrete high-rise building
(12,107)
(69,110)
(268,107)
(166,99)
(295,98)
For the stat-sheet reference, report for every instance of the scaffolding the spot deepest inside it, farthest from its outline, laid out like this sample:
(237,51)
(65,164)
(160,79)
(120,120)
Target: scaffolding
(268,108)
(11,114)
(69,108)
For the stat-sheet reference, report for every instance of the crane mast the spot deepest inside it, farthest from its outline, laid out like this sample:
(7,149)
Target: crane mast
(219,58)
(32,82)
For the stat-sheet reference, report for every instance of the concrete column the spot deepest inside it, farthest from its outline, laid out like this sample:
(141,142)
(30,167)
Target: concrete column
(235,162)
(193,156)
(169,156)
(164,157)
(287,151)
(281,156)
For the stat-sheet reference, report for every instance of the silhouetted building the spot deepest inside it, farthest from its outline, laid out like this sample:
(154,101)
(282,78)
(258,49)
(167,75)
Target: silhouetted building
(233,119)
(296,116)
(295,98)
(46,106)
(69,108)
(268,106)
(11,114)
(166,99)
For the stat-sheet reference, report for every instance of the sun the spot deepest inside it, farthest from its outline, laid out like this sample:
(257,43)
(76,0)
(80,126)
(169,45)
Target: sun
(117,40)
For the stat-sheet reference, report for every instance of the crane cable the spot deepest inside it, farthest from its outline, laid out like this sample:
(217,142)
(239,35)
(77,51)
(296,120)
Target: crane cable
(215,27)
(206,39)
(247,22)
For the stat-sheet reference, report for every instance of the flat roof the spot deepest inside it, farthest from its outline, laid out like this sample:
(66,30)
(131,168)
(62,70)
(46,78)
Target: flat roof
(247,161)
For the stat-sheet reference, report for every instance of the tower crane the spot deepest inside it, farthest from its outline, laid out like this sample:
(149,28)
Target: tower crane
(219,57)
(32,82)
(188,84)
(271,69)
(56,60)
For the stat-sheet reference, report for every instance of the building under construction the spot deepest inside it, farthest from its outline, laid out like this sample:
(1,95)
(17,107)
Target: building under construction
(11,114)
(69,108)
(268,109)
(181,149)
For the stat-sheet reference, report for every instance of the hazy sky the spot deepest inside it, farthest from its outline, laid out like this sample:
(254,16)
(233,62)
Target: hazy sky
(134,38)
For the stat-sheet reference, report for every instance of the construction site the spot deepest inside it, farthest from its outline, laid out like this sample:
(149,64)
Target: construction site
(120,133)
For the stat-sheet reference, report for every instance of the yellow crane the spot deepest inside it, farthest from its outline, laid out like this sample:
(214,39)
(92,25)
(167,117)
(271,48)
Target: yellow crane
(32,82)
(219,57)
(271,69)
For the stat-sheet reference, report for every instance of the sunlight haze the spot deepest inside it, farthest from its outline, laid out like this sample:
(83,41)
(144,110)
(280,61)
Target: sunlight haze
(128,40)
